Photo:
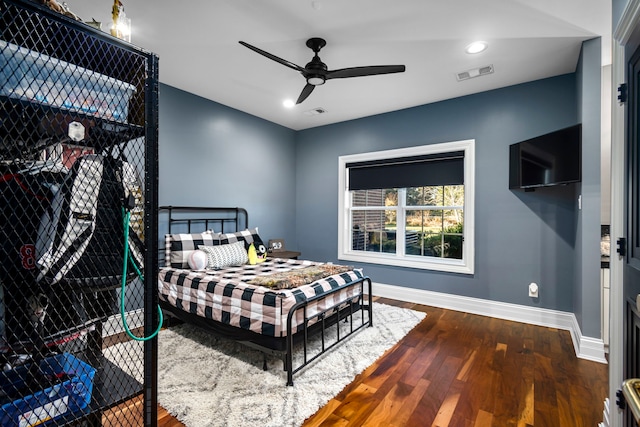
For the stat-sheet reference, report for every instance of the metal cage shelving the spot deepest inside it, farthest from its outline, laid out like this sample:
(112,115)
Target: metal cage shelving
(78,156)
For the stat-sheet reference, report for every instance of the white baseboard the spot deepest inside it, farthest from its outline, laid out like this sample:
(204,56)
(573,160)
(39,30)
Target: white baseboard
(606,419)
(585,347)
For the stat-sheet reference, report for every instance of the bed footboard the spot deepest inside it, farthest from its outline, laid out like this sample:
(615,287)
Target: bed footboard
(322,321)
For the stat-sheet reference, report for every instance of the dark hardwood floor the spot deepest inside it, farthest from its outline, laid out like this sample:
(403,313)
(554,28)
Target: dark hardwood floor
(459,369)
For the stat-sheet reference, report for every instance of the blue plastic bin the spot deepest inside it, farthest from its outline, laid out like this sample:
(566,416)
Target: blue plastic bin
(36,77)
(43,407)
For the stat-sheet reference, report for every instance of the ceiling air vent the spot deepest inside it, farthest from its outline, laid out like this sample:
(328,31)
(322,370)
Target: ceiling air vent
(474,72)
(314,111)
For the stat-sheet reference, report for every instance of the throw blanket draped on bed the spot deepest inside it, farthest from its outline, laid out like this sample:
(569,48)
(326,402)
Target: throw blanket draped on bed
(295,278)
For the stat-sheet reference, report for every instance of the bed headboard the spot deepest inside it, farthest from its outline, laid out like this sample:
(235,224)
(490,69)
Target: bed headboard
(191,221)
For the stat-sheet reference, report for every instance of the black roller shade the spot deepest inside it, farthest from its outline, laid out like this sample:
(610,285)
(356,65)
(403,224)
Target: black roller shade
(405,172)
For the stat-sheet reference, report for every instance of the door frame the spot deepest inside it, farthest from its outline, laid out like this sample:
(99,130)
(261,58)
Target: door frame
(629,21)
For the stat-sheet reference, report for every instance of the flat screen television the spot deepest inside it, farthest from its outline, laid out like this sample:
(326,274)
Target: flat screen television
(546,160)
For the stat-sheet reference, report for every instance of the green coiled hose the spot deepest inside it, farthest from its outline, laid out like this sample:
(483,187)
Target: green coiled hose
(128,257)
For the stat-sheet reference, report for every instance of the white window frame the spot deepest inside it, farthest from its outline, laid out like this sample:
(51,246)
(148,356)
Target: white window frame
(464,265)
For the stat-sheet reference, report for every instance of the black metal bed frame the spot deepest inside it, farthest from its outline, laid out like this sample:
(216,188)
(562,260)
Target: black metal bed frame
(281,347)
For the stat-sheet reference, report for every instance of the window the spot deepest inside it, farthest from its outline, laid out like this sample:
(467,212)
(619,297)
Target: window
(410,207)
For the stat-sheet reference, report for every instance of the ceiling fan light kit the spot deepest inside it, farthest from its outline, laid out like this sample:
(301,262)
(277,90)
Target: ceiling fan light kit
(315,80)
(316,72)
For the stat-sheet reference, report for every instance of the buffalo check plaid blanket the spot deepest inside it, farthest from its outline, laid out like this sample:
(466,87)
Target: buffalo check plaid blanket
(226,297)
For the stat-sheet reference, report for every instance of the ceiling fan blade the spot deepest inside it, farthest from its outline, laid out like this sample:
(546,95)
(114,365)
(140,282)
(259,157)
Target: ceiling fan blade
(364,71)
(306,91)
(273,57)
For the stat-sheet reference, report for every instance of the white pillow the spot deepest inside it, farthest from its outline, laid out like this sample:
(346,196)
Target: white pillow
(197,260)
(225,255)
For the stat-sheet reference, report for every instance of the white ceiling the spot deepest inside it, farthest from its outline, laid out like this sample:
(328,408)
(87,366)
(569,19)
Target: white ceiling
(197,42)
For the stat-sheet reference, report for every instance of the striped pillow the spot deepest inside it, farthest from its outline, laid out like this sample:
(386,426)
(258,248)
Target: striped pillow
(225,255)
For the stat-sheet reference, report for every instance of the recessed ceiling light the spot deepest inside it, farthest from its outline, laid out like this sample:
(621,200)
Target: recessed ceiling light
(288,103)
(476,47)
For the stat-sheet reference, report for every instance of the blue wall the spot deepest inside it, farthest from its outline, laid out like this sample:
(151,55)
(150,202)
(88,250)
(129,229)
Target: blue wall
(617,8)
(587,278)
(212,155)
(520,237)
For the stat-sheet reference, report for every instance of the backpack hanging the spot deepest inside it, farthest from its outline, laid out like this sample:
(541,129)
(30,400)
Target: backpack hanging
(83,232)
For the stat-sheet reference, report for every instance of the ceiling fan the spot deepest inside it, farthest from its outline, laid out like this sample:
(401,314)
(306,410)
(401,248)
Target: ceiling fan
(316,71)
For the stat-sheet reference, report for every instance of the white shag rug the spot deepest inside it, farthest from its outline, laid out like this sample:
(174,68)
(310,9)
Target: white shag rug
(206,381)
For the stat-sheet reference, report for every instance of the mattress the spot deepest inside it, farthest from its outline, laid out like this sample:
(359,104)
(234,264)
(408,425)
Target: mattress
(226,296)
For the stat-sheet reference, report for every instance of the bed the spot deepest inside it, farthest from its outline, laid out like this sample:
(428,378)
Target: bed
(275,305)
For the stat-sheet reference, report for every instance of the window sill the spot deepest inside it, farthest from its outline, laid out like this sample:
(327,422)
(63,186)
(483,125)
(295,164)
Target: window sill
(436,264)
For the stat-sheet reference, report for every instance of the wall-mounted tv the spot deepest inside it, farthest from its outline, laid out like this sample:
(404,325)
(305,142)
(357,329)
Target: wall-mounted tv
(546,160)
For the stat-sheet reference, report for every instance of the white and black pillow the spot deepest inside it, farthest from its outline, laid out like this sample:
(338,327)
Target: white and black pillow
(222,256)
(178,247)
(247,236)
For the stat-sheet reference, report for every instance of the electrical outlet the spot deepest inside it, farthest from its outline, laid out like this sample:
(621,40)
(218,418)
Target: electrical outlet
(533,290)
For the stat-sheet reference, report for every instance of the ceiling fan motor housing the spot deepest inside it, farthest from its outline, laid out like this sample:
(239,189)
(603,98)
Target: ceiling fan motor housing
(315,71)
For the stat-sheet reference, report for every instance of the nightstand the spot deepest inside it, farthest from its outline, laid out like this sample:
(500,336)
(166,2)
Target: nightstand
(284,254)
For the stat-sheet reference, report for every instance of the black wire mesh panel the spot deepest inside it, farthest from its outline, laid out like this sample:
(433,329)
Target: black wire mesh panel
(76,127)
